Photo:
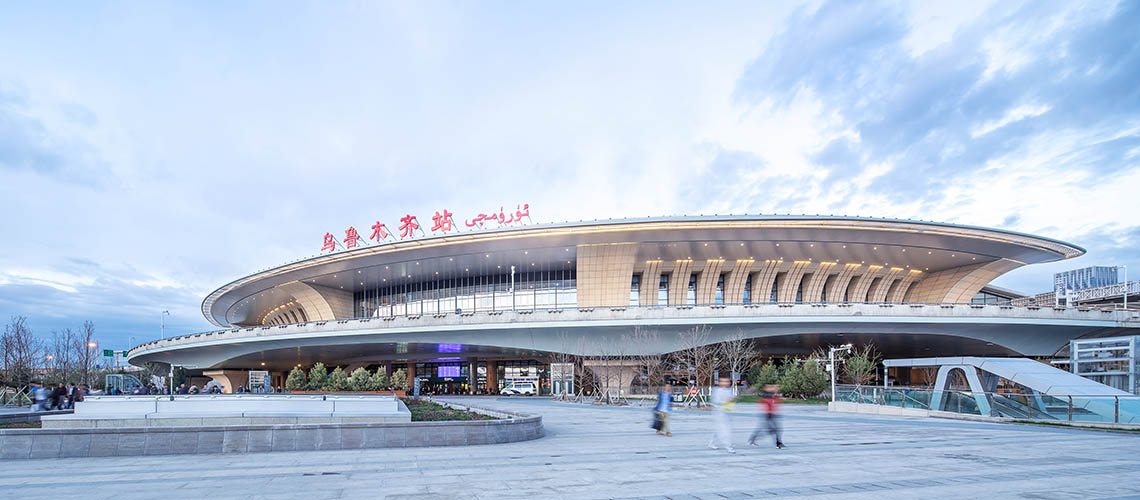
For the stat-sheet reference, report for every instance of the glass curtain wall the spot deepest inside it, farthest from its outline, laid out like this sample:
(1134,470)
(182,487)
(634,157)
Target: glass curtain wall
(553,289)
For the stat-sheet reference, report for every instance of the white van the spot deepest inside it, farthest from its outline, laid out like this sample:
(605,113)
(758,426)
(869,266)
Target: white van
(519,389)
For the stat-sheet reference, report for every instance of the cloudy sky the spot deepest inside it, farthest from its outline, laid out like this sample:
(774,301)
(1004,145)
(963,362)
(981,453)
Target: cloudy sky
(151,152)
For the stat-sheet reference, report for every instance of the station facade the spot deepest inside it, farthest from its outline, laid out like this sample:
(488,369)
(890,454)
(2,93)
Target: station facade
(470,309)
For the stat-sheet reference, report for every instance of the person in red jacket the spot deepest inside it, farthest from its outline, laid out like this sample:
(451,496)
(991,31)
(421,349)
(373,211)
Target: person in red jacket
(769,415)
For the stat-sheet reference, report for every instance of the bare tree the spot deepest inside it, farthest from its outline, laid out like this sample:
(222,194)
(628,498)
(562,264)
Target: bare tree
(929,375)
(645,341)
(563,359)
(84,348)
(738,353)
(583,379)
(695,354)
(622,348)
(601,370)
(61,356)
(23,351)
(859,367)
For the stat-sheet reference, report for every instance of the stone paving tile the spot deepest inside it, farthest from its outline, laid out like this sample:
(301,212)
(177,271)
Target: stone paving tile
(591,452)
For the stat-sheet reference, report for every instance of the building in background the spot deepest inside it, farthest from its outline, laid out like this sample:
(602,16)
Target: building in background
(995,295)
(1110,361)
(1086,277)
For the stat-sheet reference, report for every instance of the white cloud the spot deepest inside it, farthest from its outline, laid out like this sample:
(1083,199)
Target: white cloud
(1013,115)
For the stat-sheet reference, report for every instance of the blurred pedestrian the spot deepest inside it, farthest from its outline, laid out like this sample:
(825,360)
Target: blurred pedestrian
(721,398)
(769,415)
(77,395)
(58,395)
(661,412)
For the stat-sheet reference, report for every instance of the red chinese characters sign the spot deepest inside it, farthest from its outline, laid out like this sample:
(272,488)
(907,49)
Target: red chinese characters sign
(442,223)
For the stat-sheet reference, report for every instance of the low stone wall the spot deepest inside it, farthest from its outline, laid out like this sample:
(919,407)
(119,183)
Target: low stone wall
(29,416)
(870,409)
(134,441)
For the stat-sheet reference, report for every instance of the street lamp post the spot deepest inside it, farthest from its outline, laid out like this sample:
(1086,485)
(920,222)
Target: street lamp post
(1126,287)
(130,344)
(162,324)
(831,365)
(87,361)
(512,288)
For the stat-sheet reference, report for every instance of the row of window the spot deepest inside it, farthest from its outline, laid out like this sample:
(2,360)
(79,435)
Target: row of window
(718,297)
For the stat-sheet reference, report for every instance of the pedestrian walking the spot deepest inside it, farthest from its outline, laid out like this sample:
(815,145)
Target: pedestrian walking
(721,399)
(769,416)
(661,412)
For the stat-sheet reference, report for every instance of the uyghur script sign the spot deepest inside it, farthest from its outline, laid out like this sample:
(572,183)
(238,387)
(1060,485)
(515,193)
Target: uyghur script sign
(442,223)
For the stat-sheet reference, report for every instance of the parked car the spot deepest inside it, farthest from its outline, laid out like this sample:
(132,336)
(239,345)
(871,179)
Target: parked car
(519,389)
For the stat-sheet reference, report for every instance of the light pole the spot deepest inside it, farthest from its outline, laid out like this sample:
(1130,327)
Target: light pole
(831,365)
(130,344)
(512,288)
(1126,287)
(87,361)
(162,324)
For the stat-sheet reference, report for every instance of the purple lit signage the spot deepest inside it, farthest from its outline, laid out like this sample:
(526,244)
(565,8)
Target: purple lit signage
(447,371)
(450,348)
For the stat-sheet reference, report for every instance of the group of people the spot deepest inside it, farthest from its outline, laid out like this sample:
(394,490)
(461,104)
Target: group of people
(59,397)
(722,400)
(193,389)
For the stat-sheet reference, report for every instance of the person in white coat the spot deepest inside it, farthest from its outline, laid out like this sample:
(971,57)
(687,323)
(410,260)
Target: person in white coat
(721,398)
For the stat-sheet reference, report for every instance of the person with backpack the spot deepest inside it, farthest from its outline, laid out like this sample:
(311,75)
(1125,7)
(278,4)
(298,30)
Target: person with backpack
(769,415)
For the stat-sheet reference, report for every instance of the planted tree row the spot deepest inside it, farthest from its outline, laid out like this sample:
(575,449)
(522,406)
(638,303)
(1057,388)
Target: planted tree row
(360,380)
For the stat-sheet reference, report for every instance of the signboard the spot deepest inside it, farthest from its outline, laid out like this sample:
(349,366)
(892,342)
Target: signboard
(258,380)
(416,387)
(442,379)
(410,227)
(562,376)
(108,353)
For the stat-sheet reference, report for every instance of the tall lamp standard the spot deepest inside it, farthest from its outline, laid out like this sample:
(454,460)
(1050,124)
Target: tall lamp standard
(130,344)
(162,325)
(831,365)
(87,361)
(1126,287)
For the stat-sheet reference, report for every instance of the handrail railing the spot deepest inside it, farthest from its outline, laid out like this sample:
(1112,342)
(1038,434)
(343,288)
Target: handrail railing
(1031,405)
(905,306)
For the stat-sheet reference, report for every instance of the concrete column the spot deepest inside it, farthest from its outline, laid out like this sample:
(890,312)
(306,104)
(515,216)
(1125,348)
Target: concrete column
(762,281)
(837,286)
(898,291)
(735,280)
(679,282)
(472,377)
(878,293)
(411,375)
(791,283)
(706,281)
(863,284)
(813,286)
(650,279)
(492,377)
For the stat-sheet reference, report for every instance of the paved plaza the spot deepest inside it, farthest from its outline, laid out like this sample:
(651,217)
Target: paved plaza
(593,452)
